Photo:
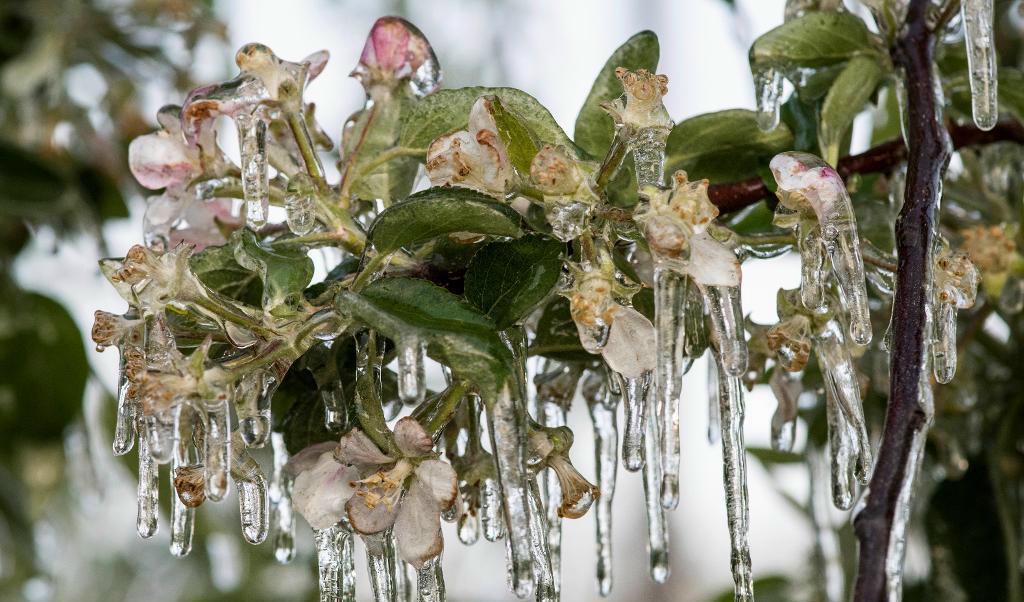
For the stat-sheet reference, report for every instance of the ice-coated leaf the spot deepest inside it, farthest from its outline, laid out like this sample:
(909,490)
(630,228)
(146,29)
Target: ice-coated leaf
(594,127)
(448,110)
(557,335)
(376,129)
(43,368)
(284,273)
(723,146)
(455,333)
(845,100)
(216,268)
(442,210)
(519,141)
(508,279)
(817,39)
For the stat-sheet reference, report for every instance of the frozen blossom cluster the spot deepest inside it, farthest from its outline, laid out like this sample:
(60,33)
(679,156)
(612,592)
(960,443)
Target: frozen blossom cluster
(469,231)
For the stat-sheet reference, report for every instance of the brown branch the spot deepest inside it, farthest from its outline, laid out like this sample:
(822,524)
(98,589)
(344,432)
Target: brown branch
(931,149)
(733,196)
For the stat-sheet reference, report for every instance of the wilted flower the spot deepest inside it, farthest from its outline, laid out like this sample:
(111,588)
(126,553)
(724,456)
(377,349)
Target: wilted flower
(549,448)
(956,279)
(149,278)
(672,216)
(641,105)
(108,329)
(791,342)
(411,494)
(396,52)
(163,159)
(473,158)
(322,484)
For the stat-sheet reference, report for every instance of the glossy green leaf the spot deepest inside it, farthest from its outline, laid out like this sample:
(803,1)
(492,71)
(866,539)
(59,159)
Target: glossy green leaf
(847,97)
(43,368)
(557,337)
(594,127)
(508,279)
(442,210)
(216,268)
(724,146)
(374,130)
(456,333)
(301,407)
(448,110)
(519,141)
(817,39)
(284,273)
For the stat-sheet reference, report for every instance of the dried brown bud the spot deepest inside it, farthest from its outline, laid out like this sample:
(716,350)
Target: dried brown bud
(190,484)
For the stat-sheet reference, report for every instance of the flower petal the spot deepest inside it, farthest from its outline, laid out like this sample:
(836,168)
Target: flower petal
(439,479)
(320,493)
(357,449)
(411,438)
(160,160)
(630,347)
(367,520)
(418,527)
(307,458)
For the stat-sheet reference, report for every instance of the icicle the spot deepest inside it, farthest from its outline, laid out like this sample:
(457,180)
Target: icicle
(218,446)
(812,265)
(842,454)
(148,491)
(768,93)
(159,424)
(182,517)
(160,431)
(508,434)
(333,396)
(843,389)
(714,407)
(553,414)
(648,145)
(282,515)
(405,577)
(657,527)
(430,581)
(726,319)
(944,343)
(131,351)
(635,394)
(411,380)
(546,586)
(255,429)
(300,212)
(252,493)
(734,463)
(490,510)
(606,440)
(381,566)
(981,60)
(826,543)
(670,341)
(786,389)
(252,136)
(955,287)
(336,569)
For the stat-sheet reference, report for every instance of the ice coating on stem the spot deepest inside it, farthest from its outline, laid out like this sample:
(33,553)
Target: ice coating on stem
(670,344)
(411,379)
(252,136)
(786,389)
(335,564)
(956,287)
(649,155)
(182,517)
(734,465)
(545,583)
(148,491)
(282,515)
(657,525)
(491,510)
(252,493)
(603,416)
(333,396)
(508,435)
(979,37)
(812,188)
(380,563)
(635,395)
(553,415)
(218,446)
(642,121)
(768,93)
(430,581)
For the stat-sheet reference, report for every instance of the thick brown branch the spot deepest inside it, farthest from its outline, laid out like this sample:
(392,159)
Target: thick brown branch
(930,148)
(733,196)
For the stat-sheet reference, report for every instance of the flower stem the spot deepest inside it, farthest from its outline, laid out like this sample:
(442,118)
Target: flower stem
(438,416)
(306,149)
(369,410)
(391,154)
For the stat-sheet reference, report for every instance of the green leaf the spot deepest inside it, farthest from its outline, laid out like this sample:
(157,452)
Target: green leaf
(216,268)
(442,210)
(29,187)
(448,110)
(557,337)
(298,400)
(817,39)
(43,368)
(802,119)
(724,146)
(374,130)
(456,333)
(1011,92)
(508,279)
(847,97)
(519,142)
(768,456)
(594,127)
(284,273)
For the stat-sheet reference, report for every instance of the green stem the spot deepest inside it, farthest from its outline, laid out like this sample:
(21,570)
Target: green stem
(613,160)
(391,154)
(369,410)
(438,416)
(375,264)
(305,142)
(223,308)
(231,188)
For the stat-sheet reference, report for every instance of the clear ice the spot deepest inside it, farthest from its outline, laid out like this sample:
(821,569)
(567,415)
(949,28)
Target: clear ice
(252,137)
(182,517)
(670,340)
(411,379)
(148,491)
(218,447)
(768,93)
(336,566)
(602,406)
(657,526)
(734,465)
(300,212)
(252,493)
(635,396)
(282,515)
(977,17)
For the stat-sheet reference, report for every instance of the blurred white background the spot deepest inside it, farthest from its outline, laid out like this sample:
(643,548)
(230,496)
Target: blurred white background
(553,50)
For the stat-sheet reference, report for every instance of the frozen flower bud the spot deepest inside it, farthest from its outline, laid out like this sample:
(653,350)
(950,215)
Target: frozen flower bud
(549,447)
(672,216)
(473,158)
(790,341)
(109,329)
(190,484)
(163,159)
(990,248)
(641,105)
(630,350)
(160,390)
(555,172)
(396,52)
(149,278)
(956,279)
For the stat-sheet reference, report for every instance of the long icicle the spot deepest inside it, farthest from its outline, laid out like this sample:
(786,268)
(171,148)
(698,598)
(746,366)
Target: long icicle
(657,526)
(635,394)
(380,563)
(544,579)
(252,492)
(252,136)
(282,515)
(977,16)
(182,517)
(430,581)
(734,468)
(670,291)
(603,415)
(218,445)
(148,490)
(553,415)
